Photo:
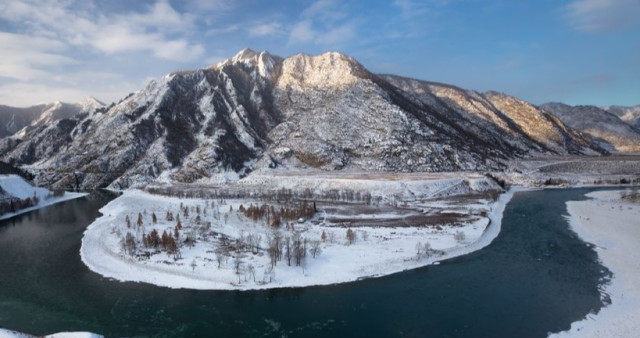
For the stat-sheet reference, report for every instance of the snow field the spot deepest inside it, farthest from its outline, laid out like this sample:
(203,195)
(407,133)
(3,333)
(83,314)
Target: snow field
(613,226)
(378,251)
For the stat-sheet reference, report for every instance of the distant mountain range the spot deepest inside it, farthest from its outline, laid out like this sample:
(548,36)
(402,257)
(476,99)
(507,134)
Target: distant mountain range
(258,111)
(14,120)
(614,128)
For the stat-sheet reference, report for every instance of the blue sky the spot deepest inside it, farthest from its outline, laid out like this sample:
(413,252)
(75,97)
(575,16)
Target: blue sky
(574,51)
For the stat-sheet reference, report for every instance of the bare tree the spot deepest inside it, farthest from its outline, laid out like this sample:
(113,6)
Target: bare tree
(237,264)
(252,272)
(220,257)
(299,248)
(316,250)
(272,251)
(269,273)
(129,244)
(332,237)
(364,235)
(287,252)
(351,236)
(426,249)
(193,265)
(459,236)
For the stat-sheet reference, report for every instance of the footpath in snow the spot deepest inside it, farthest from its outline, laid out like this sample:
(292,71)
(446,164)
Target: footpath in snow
(17,187)
(379,251)
(613,226)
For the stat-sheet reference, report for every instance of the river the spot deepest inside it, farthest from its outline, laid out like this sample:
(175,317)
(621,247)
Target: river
(536,277)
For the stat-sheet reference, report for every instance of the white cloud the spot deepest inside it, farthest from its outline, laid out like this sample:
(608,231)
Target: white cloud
(160,29)
(302,32)
(338,35)
(24,57)
(265,29)
(56,48)
(603,15)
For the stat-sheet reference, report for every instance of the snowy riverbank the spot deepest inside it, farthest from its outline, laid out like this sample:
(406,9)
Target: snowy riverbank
(17,187)
(613,225)
(378,251)
(4,333)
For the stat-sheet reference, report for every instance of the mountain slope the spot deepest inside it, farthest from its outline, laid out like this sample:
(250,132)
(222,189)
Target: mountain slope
(13,120)
(257,110)
(630,115)
(608,129)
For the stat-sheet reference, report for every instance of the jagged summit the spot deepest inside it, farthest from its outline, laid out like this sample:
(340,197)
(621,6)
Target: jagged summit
(257,111)
(91,102)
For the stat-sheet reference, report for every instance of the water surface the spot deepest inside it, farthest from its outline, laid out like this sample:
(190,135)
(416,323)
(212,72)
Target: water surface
(536,277)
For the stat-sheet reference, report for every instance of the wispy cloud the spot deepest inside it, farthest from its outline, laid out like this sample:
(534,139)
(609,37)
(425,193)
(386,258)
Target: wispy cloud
(266,29)
(412,17)
(603,15)
(324,22)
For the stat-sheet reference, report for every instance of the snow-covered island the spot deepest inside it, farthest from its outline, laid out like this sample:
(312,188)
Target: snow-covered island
(334,230)
(18,196)
(611,221)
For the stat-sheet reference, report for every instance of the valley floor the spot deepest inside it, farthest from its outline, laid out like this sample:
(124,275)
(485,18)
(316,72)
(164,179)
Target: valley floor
(613,226)
(215,240)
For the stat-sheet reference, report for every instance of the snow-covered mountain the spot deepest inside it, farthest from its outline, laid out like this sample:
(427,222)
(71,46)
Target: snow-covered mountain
(606,128)
(630,115)
(19,120)
(260,111)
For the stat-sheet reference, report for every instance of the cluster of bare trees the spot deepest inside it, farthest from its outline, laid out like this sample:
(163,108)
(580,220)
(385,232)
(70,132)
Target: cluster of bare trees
(274,217)
(291,249)
(13,204)
(425,251)
(281,195)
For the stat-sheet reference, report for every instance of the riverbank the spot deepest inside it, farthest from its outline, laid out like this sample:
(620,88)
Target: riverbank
(15,186)
(613,226)
(378,251)
(4,333)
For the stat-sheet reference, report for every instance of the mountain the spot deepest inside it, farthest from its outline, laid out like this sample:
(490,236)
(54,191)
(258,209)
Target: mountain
(260,111)
(630,115)
(606,128)
(13,120)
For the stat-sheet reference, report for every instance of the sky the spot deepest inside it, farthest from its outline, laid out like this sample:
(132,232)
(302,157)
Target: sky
(572,51)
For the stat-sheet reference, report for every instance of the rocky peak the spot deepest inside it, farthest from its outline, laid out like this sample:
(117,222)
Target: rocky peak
(91,103)
(330,70)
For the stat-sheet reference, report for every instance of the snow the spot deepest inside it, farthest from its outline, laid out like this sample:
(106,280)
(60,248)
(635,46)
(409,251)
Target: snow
(613,226)
(386,250)
(74,335)
(4,333)
(16,186)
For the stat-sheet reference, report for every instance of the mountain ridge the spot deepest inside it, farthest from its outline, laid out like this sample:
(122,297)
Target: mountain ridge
(605,127)
(260,111)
